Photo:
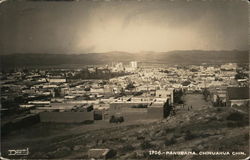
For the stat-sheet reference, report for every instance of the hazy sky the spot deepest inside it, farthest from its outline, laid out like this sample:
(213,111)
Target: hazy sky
(133,26)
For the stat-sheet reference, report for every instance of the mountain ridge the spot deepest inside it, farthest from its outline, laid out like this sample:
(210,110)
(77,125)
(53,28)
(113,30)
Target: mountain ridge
(171,57)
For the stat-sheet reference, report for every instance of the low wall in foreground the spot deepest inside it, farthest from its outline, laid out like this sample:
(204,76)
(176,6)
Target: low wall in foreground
(66,117)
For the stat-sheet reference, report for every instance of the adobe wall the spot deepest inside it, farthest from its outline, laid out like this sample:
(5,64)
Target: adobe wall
(66,117)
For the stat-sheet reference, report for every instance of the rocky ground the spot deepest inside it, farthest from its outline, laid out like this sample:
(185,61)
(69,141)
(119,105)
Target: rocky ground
(205,129)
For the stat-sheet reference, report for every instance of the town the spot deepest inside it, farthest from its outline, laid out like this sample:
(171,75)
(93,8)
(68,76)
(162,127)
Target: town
(118,93)
(98,93)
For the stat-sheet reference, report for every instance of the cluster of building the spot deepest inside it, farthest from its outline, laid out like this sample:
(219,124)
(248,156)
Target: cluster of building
(141,92)
(117,67)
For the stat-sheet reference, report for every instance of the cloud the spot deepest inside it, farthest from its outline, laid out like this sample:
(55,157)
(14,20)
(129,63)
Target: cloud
(88,26)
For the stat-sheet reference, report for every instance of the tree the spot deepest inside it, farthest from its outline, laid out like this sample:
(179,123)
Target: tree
(87,89)
(112,119)
(122,92)
(241,75)
(205,93)
(57,92)
(121,119)
(186,83)
(130,86)
(178,96)
(167,109)
(25,71)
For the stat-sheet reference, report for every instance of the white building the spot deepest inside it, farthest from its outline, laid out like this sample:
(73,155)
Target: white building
(229,66)
(163,93)
(134,64)
(57,80)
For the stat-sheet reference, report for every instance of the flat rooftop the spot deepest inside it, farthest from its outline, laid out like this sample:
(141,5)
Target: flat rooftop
(65,106)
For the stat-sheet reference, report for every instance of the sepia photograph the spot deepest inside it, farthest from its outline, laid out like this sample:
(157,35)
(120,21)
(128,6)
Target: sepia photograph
(124,79)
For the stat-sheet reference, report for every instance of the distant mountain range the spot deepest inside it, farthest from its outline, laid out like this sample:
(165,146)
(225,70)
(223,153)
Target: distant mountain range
(172,57)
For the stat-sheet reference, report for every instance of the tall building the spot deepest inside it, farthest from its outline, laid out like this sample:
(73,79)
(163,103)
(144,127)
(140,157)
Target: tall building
(119,66)
(229,66)
(134,64)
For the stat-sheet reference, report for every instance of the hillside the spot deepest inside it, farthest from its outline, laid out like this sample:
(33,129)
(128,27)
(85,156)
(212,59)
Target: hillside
(173,57)
(206,129)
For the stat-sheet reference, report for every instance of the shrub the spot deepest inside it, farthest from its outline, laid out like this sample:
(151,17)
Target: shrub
(120,119)
(97,116)
(235,116)
(170,141)
(189,135)
(146,145)
(140,138)
(88,122)
(232,124)
(112,153)
(128,148)
(114,119)
(218,109)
